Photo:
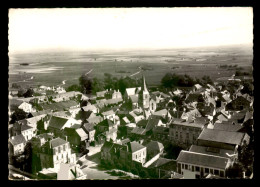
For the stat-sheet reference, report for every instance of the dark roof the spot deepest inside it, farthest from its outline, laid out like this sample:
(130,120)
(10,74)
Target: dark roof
(193,97)
(152,122)
(249,115)
(234,138)
(155,146)
(60,105)
(142,123)
(134,146)
(57,122)
(106,122)
(18,139)
(161,129)
(202,159)
(227,127)
(57,142)
(25,127)
(164,163)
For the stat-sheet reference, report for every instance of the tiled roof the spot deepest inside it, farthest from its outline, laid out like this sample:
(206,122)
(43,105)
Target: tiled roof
(60,105)
(57,142)
(202,159)
(57,122)
(234,138)
(211,151)
(227,127)
(41,112)
(142,123)
(18,139)
(161,129)
(134,146)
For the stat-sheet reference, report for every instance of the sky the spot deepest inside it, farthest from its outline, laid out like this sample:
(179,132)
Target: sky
(128,28)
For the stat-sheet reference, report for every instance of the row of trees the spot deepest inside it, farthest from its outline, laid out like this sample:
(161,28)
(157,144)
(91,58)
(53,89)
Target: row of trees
(91,86)
(172,80)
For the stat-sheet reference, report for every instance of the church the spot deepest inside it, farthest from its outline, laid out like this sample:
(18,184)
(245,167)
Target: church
(140,98)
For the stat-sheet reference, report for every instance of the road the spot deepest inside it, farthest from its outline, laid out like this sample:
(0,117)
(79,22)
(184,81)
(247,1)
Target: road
(93,170)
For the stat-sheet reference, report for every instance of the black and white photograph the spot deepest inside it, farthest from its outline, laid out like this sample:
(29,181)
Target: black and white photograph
(130,93)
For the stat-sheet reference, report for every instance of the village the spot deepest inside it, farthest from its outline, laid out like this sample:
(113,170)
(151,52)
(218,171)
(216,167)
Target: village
(197,133)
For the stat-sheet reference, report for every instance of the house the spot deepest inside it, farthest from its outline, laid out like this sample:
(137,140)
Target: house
(136,115)
(55,152)
(222,139)
(57,124)
(101,94)
(27,131)
(76,137)
(90,130)
(106,130)
(95,120)
(26,107)
(154,148)
(133,151)
(228,127)
(63,105)
(110,152)
(109,115)
(184,133)
(240,103)
(74,111)
(131,91)
(164,114)
(39,113)
(63,114)
(16,144)
(41,139)
(117,95)
(90,107)
(195,165)
(161,133)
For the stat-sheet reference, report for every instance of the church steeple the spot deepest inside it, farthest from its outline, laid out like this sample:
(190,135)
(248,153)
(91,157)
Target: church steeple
(145,88)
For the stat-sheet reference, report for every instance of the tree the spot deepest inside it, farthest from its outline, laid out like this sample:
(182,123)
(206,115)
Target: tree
(29,93)
(21,92)
(86,84)
(18,114)
(144,174)
(74,87)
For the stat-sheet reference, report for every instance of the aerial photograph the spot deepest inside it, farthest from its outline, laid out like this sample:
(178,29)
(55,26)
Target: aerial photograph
(130,93)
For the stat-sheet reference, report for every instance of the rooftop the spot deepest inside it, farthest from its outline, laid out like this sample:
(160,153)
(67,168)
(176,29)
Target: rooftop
(57,142)
(228,137)
(57,122)
(200,159)
(18,139)
(227,127)
(134,146)
(185,123)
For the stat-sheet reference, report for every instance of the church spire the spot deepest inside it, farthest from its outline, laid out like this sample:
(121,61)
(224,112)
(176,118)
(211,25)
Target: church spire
(145,88)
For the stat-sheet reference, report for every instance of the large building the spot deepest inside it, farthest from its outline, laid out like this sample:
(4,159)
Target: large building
(184,133)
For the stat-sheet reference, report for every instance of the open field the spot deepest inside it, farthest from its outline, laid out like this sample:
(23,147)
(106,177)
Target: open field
(52,68)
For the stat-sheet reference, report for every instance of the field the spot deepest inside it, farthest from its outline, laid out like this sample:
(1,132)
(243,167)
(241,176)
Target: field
(52,68)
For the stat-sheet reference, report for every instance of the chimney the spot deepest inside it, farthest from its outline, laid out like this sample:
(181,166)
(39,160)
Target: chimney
(50,144)
(66,138)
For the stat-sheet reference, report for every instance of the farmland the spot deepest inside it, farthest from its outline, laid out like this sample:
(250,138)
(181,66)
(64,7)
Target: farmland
(53,67)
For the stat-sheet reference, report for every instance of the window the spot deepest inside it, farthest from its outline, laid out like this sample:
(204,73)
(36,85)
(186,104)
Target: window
(206,170)
(192,168)
(59,149)
(186,166)
(216,172)
(182,166)
(54,151)
(176,134)
(197,168)
(211,171)
(64,147)
(197,176)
